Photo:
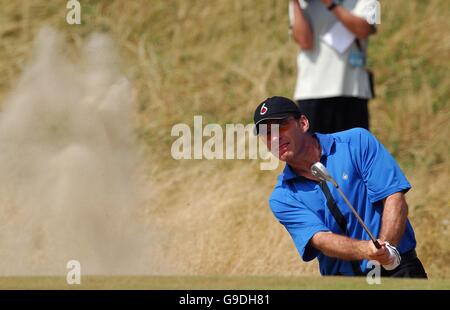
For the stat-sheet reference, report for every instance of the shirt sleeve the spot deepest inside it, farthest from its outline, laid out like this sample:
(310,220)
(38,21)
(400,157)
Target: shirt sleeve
(379,170)
(301,223)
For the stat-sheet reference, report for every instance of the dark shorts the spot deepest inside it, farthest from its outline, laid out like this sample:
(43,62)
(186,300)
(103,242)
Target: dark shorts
(327,115)
(410,267)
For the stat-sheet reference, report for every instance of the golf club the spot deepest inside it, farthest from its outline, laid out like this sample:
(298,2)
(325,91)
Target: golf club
(319,171)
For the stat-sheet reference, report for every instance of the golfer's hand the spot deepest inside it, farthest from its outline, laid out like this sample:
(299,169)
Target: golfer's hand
(396,258)
(381,255)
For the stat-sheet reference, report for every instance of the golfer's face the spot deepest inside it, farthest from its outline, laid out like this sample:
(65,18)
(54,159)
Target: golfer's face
(279,137)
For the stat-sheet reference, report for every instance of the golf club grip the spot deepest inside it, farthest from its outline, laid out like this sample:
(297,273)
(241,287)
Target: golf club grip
(377,244)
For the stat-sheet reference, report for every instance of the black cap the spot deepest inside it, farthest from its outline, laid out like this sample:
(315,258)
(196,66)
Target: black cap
(274,108)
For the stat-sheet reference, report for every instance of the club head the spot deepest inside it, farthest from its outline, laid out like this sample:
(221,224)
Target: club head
(319,171)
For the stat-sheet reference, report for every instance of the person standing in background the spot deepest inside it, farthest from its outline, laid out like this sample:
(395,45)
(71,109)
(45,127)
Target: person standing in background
(333,86)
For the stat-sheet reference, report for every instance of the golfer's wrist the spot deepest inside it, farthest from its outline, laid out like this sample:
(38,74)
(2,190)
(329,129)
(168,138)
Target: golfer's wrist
(365,249)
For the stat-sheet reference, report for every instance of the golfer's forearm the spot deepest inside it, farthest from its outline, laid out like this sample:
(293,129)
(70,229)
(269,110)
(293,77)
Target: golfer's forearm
(393,223)
(301,30)
(357,25)
(339,246)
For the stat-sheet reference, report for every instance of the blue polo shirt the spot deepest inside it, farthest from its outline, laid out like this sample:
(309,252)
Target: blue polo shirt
(365,172)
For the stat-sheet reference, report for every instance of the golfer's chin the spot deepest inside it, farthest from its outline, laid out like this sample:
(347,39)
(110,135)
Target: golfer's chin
(286,156)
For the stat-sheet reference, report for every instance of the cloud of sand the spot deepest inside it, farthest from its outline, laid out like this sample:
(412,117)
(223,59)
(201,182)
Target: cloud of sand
(67,160)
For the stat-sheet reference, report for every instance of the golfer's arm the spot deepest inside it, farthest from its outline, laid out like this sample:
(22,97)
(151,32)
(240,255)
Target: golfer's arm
(359,26)
(339,246)
(395,214)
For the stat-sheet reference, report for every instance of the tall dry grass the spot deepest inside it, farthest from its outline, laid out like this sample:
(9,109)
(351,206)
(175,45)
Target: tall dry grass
(219,59)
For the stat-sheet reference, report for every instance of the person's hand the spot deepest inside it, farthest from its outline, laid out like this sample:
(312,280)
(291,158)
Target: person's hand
(395,255)
(327,3)
(381,255)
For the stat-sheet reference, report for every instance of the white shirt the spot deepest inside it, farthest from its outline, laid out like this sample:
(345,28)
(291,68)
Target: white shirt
(322,71)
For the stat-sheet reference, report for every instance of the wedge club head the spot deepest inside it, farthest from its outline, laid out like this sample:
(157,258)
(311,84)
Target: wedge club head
(319,171)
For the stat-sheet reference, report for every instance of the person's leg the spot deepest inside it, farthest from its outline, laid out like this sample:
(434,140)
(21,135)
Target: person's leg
(320,113)
(328,115)
(351,112)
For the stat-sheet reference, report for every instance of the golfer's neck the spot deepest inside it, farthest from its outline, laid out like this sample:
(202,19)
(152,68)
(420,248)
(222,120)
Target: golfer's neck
(302,163)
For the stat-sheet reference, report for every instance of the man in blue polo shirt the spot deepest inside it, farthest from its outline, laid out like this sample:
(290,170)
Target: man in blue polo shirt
(365,172)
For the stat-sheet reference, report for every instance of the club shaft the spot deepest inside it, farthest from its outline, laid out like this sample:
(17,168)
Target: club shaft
(359,218)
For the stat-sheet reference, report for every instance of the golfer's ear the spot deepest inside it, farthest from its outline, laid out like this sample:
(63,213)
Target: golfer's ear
(304,123)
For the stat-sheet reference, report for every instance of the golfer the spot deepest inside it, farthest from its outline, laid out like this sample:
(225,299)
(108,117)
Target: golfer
(321,225)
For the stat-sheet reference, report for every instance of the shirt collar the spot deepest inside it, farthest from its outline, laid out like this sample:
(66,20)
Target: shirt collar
(326,142)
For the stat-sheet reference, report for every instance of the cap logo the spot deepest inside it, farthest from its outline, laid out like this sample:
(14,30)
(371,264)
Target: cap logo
(263,110)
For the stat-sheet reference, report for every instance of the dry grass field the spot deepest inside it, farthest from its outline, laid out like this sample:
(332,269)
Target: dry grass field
(220,283)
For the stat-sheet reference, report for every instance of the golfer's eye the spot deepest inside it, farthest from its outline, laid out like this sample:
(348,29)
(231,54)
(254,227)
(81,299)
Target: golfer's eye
(272,127)
(264,130)
(285,123)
